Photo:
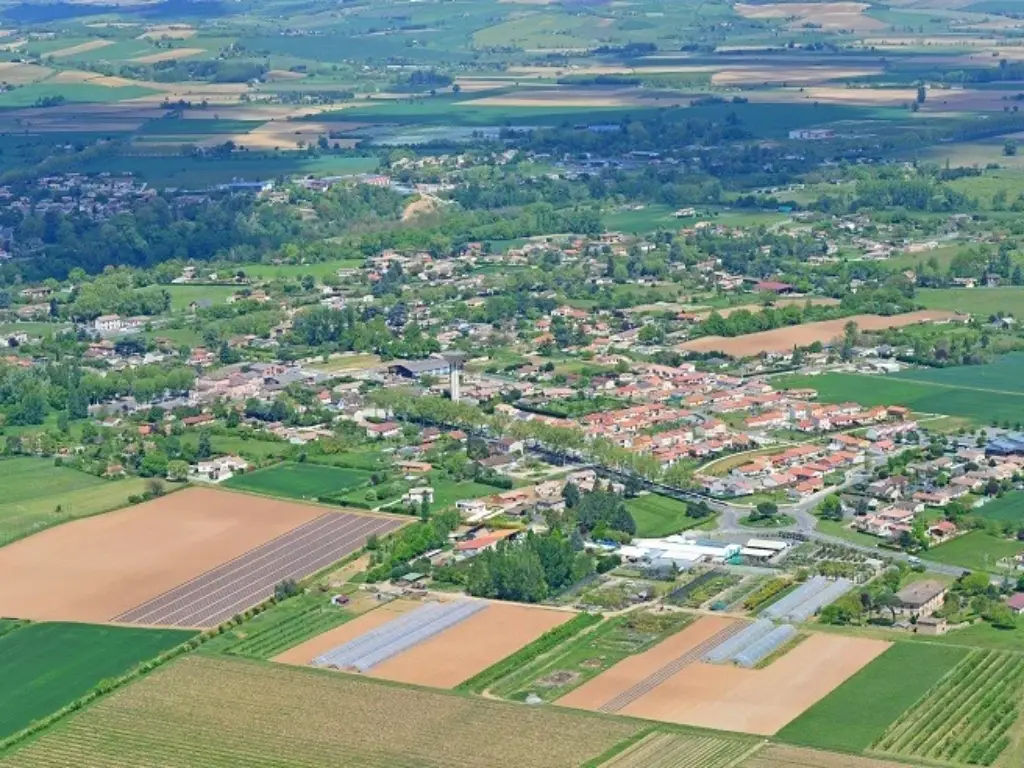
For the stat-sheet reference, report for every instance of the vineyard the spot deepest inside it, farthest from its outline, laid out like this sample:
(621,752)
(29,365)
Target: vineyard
(775,756)
(677,750)
(295,629)
(268,715)
(966,717)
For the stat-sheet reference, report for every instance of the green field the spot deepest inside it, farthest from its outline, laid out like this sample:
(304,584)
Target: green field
(660,516)
(976,550)
(46,666)
(977,301)
(856,714)
(1005,374)
(1009,508)
(319,269)
(35,494)
(299,481)
(980,405)
(183,295)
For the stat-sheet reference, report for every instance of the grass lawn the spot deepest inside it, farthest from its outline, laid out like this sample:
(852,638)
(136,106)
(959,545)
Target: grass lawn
(345,363)
(977,301)
(298,481)
(834,528)
(46,666)
(976,550)
(857,713)
(448,491)
(778,521)
(1010,508)
(31,490)
(319,270)
(249,448)
(660,516)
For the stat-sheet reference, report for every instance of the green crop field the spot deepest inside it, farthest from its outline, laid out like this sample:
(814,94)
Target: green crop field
(47,666)
(941,728)
(977,301)
(980,405)
(320,269)
(299,481)
(856,714)
(35,494)
(286,625)
(201,712)
(1008,509)
(1005,374)
(660,516)
(977,550)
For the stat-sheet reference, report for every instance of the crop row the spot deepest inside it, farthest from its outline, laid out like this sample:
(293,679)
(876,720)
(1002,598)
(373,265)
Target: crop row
(547,642)
(966,716)
(766,592)
(669,750)
(290,632)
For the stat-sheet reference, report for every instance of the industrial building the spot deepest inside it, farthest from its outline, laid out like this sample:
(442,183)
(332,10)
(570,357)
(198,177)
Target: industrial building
(680,550)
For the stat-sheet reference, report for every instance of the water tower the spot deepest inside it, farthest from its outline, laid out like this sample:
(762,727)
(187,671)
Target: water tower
(455,360)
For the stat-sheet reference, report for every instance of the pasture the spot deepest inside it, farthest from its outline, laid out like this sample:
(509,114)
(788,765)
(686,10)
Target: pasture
(892,683)
(979,405)
(161,545)
(977,551)
(35,494)
(284,716)
(47,666)
(299,481)
(1008,509)
(976,301)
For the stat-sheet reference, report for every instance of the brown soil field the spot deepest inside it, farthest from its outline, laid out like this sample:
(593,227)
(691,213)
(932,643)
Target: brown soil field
(99,567)
(758,701)
(169,55)
(775,756)
(835,15)
(92,45)
(171,31)
(276,75)
(789,75)
(20,74)
(470,646)
(304,653)
(870,97)
(631,670)
(784,339)
(568,96)
(417,207)
(287,134)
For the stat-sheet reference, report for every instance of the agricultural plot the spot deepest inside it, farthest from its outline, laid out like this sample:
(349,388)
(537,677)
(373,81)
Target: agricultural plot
(979,405)
(778,756)
(288,624)
(977,551)
(35,494)
(47,666)
(219,594)
(588,654)
(677,750)
(757,701)
(299,481)
(966,717)
(657,516)
(982,301)
(891,683)
(147,550)
(280,717)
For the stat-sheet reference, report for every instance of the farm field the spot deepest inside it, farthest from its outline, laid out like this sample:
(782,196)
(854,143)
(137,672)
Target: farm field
(281,716)
(980,406)
(1004,374)
(299,481)
(147,550)
(587,654)
(1009,508)
(892,683)
(966,717)
(47,666)
(35,494)
(660,516)
(778,756)
(677,750)
(784,339)
(977,301)
(757,701)
(470,646)
(976,550)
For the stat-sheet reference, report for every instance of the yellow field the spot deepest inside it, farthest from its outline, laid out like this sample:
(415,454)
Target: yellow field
(92,45)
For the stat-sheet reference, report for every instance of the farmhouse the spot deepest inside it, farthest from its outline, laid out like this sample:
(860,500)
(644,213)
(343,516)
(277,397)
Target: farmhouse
(923,598)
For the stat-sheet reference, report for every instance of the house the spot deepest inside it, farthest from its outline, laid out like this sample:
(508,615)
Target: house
(888,489)
(107,323)
(417,495)
(483,541)
(384,430)
(1016,603)
(219,469)
(922,598)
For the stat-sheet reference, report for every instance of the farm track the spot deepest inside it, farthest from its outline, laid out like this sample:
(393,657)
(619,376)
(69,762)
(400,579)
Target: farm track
(651,682)
(220,593)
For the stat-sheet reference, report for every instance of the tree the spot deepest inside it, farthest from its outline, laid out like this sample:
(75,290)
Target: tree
(154,464)
(571,495)
(204,449)
(922,94)
(154,488)
(177,471)
(424,508)
(476,448)
(1010,148)
(765,510)
(831,508)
